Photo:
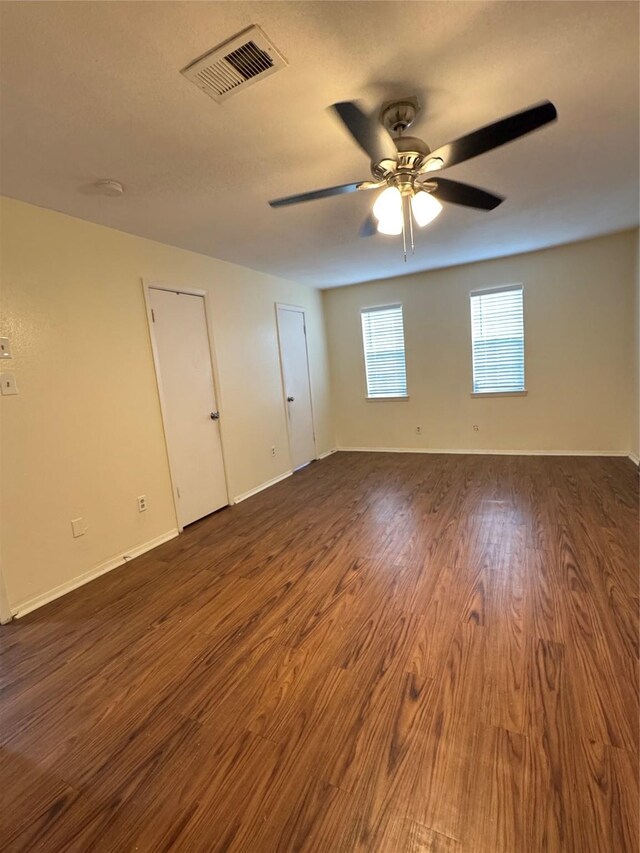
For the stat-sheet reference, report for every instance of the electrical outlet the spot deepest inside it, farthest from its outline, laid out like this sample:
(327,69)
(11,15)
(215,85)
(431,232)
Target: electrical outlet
(476,427)
(5,348)
(8,383)
(419,430)
(142,503)
(78,527)
(273,451)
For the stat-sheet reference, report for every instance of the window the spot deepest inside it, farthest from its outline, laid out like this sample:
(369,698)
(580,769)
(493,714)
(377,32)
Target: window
(383,338)
(497,333)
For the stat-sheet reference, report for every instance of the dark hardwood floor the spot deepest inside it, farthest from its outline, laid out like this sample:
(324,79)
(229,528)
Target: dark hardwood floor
(386,652)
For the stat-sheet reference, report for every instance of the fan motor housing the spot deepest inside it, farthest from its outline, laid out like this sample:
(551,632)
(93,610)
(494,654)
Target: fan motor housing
(412,154)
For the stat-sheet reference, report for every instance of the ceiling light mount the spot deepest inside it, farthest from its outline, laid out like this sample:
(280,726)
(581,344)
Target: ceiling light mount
(397,116)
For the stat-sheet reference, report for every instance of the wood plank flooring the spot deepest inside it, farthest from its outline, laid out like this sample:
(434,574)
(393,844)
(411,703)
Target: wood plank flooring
(400,653)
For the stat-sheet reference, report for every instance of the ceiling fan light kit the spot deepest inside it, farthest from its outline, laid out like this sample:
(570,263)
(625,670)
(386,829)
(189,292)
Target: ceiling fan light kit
(407,170)
(387,209)
(391,209)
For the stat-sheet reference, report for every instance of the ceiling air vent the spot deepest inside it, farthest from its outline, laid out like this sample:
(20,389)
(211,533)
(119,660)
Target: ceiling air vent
(234,65)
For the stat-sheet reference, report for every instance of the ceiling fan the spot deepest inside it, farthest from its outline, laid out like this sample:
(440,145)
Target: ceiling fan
(405,166)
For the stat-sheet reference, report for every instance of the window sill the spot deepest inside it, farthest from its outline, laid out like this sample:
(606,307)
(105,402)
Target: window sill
(499,393)
(386,399)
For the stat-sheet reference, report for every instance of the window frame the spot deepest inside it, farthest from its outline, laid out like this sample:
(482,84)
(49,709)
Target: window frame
(501,288)
(392,398)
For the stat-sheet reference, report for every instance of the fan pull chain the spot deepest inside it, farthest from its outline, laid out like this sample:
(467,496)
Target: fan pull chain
(410,218)
(404,229)
(406,217)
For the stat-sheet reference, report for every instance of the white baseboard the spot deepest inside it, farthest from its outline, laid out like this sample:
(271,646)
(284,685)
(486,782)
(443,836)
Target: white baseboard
(261,487)
(487,452)
(277,479)
(327,453)
(635,459)
(30,604)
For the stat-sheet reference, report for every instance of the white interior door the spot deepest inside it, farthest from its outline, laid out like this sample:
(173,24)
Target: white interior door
(295,376)
(190,413)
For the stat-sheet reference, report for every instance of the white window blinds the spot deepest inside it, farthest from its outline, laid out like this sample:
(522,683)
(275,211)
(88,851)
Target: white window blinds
(383,338)
(497,333)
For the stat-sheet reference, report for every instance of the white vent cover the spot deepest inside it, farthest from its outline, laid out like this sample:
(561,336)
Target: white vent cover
(234,65)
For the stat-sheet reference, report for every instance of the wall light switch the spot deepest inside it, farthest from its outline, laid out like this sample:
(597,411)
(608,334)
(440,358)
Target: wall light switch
(5,348)
(78,527)
(8,383)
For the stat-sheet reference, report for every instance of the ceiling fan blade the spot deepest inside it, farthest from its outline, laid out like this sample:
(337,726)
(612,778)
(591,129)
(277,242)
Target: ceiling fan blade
(370,135)
(369,226)
(465,194)
(492,136)
(325,193)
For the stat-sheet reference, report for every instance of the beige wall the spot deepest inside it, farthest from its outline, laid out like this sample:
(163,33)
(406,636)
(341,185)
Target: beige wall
(84,435)
(579,345)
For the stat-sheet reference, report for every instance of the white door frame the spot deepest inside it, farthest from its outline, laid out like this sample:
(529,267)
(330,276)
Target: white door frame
(148,285)
(302,311)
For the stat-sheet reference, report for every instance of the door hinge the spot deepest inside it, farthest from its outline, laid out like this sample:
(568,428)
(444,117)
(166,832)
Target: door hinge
(153,316)
(177,491)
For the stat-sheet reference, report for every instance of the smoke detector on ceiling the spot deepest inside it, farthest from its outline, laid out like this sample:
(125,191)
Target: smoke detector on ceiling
(105,186)
(235,64)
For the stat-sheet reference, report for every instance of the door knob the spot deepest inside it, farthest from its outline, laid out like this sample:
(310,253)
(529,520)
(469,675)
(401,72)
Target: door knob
(215,416)
(290,399)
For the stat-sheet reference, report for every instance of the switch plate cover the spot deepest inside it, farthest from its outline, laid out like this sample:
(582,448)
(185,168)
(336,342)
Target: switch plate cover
(78,527)
(8,384)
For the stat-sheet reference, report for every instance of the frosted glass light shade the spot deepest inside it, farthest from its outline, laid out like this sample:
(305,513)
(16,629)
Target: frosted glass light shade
(388,211)
(392,225)
(388,205)
(425,207)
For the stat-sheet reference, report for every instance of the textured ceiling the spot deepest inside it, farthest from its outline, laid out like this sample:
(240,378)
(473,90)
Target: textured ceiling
(93,90)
